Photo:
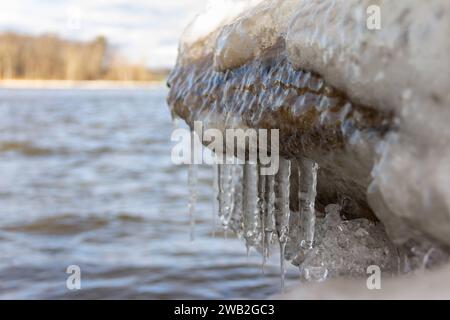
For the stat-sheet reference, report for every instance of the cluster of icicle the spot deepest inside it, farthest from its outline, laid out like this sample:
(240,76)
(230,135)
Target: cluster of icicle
(257,209)
(256,206)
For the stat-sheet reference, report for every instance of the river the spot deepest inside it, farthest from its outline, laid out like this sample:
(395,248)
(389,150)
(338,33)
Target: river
(86,179)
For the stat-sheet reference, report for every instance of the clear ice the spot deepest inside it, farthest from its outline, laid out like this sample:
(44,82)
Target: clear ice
(269,213)
(226,194)
(215,168)
(262,217)
(192,187)
(236,223)
(307,170)
(252,220)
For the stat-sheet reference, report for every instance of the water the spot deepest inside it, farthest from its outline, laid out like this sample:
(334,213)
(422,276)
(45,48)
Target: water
(86,179)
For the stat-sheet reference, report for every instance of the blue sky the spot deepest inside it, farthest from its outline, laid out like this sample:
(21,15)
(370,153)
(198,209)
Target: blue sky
(142,29)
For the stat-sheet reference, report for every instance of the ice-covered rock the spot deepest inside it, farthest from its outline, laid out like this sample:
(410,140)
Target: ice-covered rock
(370,107)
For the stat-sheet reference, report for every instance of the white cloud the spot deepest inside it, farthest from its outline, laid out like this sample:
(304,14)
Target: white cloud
(142,29)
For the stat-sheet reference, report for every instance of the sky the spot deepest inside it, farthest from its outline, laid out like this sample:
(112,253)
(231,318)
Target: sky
(143,30)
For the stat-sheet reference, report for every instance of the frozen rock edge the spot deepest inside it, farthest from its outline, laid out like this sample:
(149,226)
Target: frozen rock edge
(395,162)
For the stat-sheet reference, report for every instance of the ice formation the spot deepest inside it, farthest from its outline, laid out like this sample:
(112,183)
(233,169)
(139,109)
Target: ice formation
(307,196)
(251,219)
(363,117)
(282,211)
(192,184)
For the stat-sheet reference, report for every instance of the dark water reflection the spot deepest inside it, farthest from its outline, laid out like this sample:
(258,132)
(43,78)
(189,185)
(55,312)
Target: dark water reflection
(86,179)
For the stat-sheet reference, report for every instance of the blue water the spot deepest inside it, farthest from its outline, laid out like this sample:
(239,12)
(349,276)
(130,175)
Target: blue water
(86,179)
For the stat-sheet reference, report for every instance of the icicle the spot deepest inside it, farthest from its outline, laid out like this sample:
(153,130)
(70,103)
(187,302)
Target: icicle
(215,200)
(282,211)
(219,190)
(262,216)
(269,219)
(237,216)
(295,232)
(225,194)
(192,183)
(251,208)
(307,196)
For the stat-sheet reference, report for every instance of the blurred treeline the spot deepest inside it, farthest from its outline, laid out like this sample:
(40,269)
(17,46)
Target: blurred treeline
(50,57)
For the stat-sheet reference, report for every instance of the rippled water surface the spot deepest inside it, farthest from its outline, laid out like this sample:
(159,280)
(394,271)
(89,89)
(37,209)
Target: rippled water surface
(86,179)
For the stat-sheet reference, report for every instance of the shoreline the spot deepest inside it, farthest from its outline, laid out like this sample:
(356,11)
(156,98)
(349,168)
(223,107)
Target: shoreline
(76,84)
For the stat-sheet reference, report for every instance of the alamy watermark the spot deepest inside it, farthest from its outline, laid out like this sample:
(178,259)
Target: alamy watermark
(73,281)
(373,21)
(230,146)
